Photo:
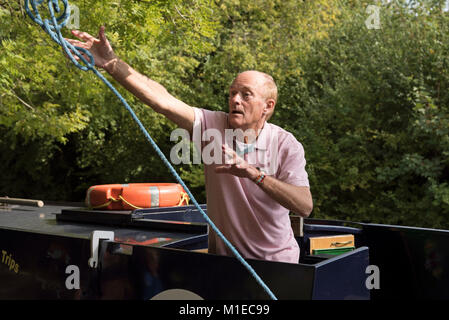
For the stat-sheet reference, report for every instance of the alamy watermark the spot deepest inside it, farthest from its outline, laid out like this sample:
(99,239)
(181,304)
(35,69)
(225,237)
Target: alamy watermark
(373,20)
(73,280)
(74,20)
(373,280)
(208,148)
(373,12)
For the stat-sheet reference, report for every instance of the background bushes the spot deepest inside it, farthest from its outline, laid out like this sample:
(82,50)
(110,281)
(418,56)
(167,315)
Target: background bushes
(370,106)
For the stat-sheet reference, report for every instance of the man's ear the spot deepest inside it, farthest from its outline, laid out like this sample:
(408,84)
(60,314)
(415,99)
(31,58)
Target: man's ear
(269,106)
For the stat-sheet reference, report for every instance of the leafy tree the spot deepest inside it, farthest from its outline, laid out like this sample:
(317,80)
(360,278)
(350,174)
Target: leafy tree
(375,117)
(61,128)
(370,106)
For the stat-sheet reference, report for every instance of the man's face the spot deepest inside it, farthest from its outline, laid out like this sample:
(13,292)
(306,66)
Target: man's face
(247,101)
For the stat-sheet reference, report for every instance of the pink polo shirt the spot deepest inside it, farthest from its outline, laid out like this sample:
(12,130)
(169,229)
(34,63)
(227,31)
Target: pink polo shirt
(251,220)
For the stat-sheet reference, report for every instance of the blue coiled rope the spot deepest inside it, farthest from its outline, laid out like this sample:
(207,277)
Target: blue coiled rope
(54,30)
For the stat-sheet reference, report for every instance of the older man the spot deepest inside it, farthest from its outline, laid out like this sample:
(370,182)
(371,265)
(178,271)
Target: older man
(249,201)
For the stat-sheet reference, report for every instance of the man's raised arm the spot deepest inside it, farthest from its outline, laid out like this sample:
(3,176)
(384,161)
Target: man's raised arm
(148,91)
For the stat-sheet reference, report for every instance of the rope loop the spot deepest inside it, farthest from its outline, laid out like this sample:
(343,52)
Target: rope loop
(53,6)
(53,29)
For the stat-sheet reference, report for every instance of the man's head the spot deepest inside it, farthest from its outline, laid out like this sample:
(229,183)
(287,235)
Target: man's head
(252,97)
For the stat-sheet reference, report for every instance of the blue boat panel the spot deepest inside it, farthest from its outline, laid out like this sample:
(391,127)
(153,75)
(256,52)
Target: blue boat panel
(343,277)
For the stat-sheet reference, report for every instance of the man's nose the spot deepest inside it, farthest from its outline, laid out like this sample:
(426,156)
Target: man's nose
(236,99)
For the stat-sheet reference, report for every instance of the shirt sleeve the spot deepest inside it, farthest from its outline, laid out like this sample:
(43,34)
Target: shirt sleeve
(207,123)
(292,168)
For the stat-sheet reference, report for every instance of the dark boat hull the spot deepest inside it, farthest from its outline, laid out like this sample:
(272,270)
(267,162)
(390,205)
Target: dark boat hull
(43,258)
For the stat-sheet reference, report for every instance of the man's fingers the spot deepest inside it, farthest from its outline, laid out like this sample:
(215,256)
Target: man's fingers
(76,43)
(101,34)
(233,158)
(76,33)
(73,55)
(222,169)
(82,35)
(230,155)
(228,150)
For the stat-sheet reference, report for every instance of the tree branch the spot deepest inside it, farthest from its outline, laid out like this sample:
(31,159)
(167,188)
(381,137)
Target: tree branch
(23,102)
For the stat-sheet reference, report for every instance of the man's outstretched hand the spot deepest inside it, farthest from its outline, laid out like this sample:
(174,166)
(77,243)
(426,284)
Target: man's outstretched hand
(100,48)
(236,165)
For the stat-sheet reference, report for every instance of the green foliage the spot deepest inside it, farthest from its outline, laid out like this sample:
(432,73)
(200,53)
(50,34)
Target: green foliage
(61,128)
(377,143)
(370,106)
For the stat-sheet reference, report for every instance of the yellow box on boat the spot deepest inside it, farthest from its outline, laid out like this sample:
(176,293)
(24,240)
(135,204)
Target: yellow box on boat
(331,242)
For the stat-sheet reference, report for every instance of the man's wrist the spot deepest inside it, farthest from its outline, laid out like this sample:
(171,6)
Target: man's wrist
(260,178)
(254,173)
(257,176)
(110,66)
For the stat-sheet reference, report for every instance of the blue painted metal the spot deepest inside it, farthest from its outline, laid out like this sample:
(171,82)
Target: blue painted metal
(342,277)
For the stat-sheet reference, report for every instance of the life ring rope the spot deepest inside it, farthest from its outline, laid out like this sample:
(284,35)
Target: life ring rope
(111,200)
(184,197)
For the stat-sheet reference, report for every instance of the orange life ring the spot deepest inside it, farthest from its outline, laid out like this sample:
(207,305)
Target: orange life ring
(135,196)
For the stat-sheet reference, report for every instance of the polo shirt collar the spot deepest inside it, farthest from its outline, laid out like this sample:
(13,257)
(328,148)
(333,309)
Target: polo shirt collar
(261,143)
